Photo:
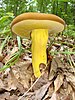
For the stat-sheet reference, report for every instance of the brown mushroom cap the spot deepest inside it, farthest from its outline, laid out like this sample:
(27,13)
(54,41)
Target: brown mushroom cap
(25,23)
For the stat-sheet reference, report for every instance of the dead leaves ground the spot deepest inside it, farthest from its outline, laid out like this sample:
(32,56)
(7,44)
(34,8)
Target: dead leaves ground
(56,83)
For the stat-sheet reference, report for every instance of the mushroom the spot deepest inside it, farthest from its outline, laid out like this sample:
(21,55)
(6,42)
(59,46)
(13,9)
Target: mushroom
(39,25)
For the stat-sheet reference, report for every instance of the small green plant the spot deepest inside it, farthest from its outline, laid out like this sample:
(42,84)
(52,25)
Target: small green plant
(70,31)
(5,24)
(14,58)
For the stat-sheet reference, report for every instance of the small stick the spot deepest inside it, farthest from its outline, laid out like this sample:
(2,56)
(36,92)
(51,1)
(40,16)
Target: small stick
(32,85)
(29,89)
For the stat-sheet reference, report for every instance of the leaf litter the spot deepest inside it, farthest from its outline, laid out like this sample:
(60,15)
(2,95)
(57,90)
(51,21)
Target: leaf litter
(56,83)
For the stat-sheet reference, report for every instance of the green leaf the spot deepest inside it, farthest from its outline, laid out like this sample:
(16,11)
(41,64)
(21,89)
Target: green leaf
(63,0)
(2,19)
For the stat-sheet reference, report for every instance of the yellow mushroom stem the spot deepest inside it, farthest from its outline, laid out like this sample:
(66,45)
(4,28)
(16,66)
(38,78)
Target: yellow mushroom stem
(39,42)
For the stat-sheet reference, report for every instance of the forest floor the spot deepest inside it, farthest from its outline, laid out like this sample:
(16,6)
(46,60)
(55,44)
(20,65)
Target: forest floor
(57,81)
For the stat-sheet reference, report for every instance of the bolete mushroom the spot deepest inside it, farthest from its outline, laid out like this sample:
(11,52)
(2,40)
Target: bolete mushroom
(39,25)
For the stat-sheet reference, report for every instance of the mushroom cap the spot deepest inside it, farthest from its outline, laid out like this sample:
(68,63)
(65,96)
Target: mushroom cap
(23,24)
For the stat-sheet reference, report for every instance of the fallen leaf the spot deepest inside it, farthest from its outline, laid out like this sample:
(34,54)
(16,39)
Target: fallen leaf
(49,93)
(70,78)
(1,57)
(54,96)
(16,83)
(58,82)
(42,81)
(1,64)
(8,83)
(73,95)
(53,69)
(13,97)
(5,96)
(23,71)
(69,89)
(39,94)
(1,85)
(55,65)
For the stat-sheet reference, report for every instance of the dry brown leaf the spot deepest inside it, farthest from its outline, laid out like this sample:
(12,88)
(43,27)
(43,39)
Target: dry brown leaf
(53,69)
(70,78)
(58,82)
(53,65)
(42,81)
(65,92)
(56,64)
(16,82)
(1,85)
(73,95)
(8,83)
(5,96)
(54,96)
(13,97)
(69,89)
(1,57)
(41,92)
(38,94)
(1,64)
(51,75)
(49,93)
(11,81)
(23,71)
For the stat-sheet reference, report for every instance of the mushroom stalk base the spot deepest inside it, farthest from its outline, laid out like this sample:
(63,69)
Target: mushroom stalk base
(39,42)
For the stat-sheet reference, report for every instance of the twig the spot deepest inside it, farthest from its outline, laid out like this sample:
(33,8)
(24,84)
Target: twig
(28,89)
(32,85)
